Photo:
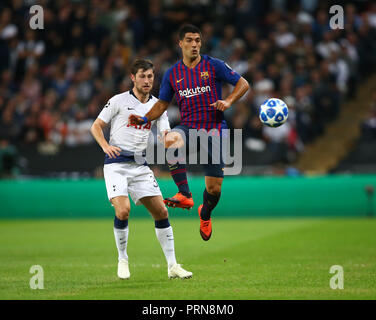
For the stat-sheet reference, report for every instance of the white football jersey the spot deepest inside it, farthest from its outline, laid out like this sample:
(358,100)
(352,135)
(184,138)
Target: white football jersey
(133,138)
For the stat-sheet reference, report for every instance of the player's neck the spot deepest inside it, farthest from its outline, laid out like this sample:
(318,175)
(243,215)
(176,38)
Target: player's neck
(143,98)
(191,63)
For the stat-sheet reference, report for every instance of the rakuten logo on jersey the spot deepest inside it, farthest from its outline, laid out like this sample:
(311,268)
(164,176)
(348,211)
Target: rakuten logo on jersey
(188,93)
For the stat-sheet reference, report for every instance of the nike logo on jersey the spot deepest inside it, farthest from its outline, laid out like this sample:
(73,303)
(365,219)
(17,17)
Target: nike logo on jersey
(180,80)
(130,108)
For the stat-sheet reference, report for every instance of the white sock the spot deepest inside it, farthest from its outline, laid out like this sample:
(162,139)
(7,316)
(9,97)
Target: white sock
(121,239)
(166,239)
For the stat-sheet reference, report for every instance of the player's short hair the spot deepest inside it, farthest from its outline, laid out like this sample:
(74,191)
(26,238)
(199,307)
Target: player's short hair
(142,64)
(186,28)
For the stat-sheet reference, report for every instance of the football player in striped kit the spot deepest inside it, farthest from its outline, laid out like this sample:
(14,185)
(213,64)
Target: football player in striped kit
(196,81)
(125,174)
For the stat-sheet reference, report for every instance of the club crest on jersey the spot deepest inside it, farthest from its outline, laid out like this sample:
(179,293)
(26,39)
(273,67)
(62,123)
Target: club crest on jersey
(205,75)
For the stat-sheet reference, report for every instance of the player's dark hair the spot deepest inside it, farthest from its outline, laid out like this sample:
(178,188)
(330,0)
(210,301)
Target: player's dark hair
(142,64)
(188,28)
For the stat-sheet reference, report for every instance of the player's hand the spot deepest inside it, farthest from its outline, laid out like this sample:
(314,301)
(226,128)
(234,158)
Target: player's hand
(135,119)
(221,105)
(112,151)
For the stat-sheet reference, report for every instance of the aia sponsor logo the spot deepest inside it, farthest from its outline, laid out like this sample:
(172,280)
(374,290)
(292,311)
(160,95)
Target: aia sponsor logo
(145,126)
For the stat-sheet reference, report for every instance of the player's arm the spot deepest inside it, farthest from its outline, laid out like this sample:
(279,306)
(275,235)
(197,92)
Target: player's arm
(97,131)
(240,89)
(163,126)
(154,113)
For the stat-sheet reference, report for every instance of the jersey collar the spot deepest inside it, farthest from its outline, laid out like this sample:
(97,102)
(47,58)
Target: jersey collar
(182,62)
(132,93)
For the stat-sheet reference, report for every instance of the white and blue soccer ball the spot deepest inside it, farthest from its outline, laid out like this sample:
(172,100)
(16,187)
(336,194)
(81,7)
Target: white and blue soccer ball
(273,112)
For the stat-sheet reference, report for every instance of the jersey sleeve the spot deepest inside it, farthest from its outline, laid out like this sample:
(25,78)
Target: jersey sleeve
(162,123)
(166,92)
(109,111)
(224,72)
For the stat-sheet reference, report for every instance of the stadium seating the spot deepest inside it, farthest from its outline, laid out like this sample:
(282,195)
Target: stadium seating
(54,83)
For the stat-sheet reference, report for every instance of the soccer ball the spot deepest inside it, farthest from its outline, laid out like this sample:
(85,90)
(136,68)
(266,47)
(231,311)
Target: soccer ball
(273,112)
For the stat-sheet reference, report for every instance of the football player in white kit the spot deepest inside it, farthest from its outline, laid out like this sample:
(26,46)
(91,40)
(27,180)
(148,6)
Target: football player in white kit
(124,175)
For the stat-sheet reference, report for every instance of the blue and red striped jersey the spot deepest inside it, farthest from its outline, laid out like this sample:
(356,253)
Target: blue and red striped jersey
(196,88)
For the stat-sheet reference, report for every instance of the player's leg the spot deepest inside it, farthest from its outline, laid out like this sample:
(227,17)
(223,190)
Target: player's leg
(163,229)
(178,170)
(211,196)
(121,231)
(122,208)
(117,191)
(214,173)
(165,235)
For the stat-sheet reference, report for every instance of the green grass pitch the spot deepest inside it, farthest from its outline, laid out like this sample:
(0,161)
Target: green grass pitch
(245,259)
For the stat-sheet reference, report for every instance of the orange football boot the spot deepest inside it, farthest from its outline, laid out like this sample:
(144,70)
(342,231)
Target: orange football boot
(205,226)
(179,201)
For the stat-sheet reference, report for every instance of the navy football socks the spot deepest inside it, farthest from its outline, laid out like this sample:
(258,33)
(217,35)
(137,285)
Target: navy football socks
(210,202)
(120,224)
(161,224)
(179,175)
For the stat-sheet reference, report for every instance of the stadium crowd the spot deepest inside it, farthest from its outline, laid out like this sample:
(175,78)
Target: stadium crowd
(55,81)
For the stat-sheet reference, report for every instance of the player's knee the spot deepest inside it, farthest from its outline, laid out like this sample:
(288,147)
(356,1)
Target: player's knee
(174,140)
(169,141)
(123,213)
(214,189)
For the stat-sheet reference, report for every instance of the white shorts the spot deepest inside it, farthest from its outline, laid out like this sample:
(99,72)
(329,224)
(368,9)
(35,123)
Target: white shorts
(125,178)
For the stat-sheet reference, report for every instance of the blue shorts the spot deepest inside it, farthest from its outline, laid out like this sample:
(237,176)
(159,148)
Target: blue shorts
(210,145)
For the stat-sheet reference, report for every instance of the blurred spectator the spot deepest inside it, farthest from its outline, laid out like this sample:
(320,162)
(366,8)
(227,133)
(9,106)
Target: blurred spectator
(303,110)
(321,24)
(340,69)
(79,130)
(225,46)
(8,128)
(8,160)
(283,37)
(277,139)
(369,125)
(371,16)
(263,88)
(327,46)
(31,87)
(176,13)
(7,28)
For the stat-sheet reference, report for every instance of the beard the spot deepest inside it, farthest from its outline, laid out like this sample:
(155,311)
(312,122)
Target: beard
(143,90)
